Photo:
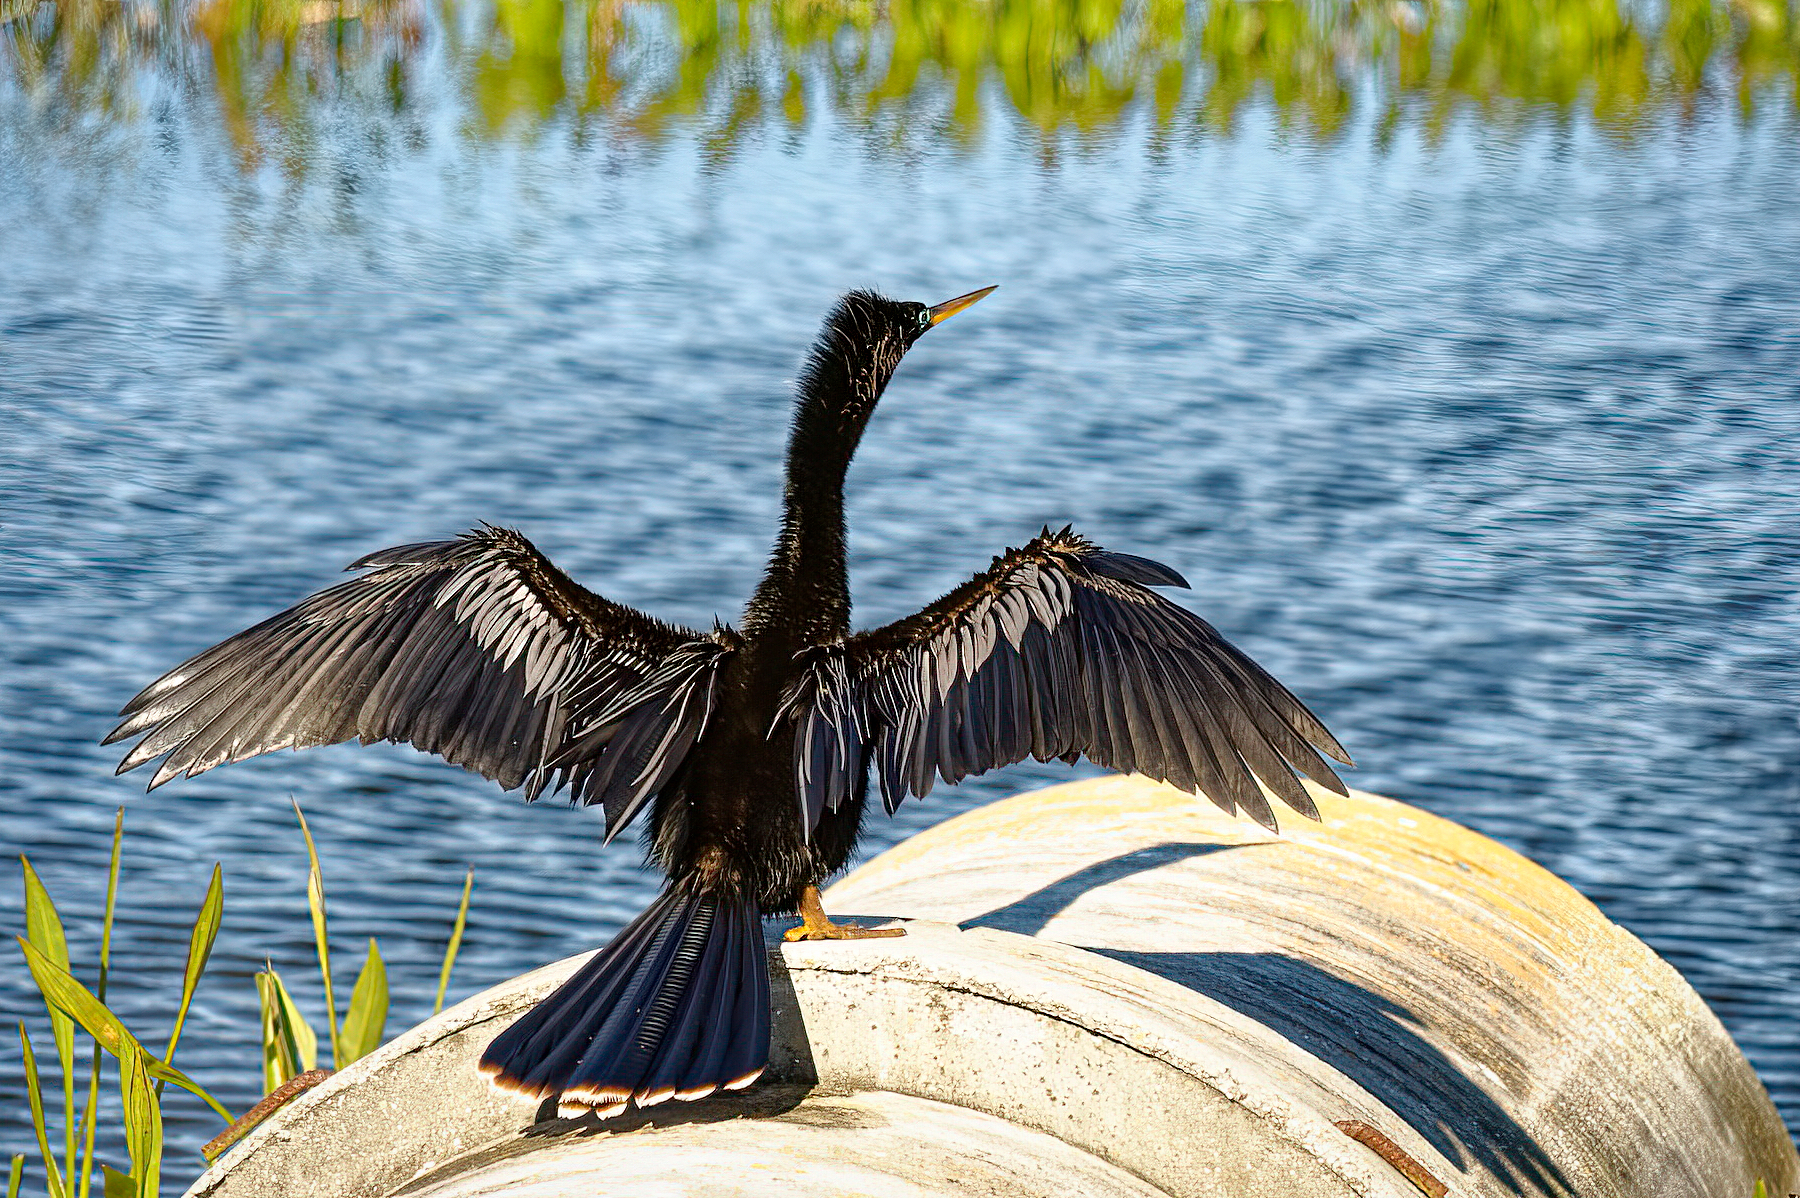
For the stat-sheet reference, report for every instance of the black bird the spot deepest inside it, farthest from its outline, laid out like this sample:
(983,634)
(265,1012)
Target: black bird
(751,746)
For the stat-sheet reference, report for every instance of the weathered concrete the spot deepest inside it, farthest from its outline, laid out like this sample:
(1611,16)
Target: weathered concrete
(798,1144)
(1513,1033)
(1172,999)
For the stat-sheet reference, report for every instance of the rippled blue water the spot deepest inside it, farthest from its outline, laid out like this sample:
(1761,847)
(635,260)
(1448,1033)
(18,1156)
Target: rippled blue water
(1483,443)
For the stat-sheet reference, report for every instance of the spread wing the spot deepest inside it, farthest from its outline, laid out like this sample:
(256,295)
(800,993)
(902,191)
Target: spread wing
(477,649)
(1059,649)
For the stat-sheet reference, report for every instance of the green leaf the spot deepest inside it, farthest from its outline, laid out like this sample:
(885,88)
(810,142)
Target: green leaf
(456,935)
(112,894)
(143,1120)
(91,1115)
(315,899)
(367,1016)
(107,1029)
(118,1185)
(15,1176)
(1761,1191)
(43,927)
(289,1044)
(278,1052)
(305,1040)
(53,1179)
(200,944)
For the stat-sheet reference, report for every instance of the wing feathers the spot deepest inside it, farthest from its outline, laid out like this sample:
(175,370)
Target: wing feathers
(1057,649)
(477,649)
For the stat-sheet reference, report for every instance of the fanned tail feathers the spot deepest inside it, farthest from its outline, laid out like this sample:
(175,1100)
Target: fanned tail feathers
(677,1006)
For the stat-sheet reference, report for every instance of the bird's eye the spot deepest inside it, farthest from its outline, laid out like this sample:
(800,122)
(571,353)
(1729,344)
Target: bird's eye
(924,318)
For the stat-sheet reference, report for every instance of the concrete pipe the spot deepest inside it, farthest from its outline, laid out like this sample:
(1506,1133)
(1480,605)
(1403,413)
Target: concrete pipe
(1111,988)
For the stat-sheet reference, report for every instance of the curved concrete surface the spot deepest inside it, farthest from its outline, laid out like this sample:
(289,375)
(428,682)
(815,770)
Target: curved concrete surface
(1171,998)
(799,1145)
(1516,1036)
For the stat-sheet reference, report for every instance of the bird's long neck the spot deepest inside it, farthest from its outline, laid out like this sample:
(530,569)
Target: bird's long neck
(804,598)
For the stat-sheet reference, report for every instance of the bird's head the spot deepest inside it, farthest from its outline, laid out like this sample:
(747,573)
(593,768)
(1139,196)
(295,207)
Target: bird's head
(861,344)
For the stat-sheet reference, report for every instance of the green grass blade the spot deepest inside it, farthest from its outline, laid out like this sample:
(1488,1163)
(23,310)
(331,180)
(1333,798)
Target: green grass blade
(278,1052)
(43,927)
(456,935)
(143,1120)
(112,895)
(68,995)
(118,1185)
(90,1117)
(305,1040)
(107,1029)
(200,945)
(16,1176)
(315,899)
(297,1046)
(367,1015)
(52,1179)
(163,1071)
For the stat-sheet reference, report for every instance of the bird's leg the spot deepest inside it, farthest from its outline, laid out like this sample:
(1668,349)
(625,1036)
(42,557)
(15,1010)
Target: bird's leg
(815,925)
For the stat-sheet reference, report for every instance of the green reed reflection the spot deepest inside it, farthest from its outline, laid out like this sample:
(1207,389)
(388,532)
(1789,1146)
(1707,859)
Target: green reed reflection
(900,70)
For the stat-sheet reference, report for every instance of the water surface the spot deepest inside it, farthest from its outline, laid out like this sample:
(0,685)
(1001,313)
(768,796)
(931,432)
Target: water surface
(1455,363)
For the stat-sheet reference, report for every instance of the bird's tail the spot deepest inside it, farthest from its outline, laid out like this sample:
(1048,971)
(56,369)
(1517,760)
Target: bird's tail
(677,1006)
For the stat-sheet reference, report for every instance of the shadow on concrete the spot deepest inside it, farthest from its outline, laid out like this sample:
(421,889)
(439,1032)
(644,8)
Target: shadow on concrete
(1030,914)
(790,1048)
(1363,1035)
(1369,1039)
(758,1102)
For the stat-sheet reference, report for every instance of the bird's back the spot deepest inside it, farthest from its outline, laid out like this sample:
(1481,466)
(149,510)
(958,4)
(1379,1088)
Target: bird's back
(735,817)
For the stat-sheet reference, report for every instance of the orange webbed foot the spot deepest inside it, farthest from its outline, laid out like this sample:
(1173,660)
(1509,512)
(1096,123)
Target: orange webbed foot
(816,925)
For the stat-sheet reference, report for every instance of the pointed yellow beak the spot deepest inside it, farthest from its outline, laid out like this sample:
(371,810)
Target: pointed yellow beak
(944,311)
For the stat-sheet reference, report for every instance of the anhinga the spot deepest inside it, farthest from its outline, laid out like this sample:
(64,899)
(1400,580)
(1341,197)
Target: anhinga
(752,745)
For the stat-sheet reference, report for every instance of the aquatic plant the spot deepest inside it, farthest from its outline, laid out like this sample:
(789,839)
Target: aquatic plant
(289,1044)
(141,1074)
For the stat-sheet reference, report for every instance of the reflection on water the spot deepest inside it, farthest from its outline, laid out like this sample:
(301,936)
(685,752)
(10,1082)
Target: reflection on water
(914,68)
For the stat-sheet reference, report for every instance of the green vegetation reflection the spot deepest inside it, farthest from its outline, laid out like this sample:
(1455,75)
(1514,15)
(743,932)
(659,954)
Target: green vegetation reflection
(901,70)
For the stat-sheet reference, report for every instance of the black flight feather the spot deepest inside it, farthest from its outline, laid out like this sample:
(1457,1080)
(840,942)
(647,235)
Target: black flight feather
(435,648)
(1058,648)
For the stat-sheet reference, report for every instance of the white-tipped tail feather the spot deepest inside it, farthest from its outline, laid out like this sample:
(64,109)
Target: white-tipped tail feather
(677,1006)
